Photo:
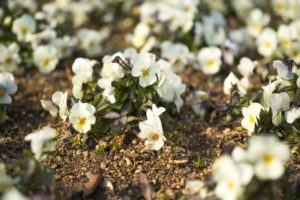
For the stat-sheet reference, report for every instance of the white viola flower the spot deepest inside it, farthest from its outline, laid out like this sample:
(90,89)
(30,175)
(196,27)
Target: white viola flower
(50,107)
(82,117)
(196,187)
(109,90)
(231,177)
(294,51)
(210,59)
(292,115)
(256,21)
(83,65)
(113,71)
(90,41)
(195,100)
(45,58)
(152,130)
(14,194)
(140,34)
(283,70)
(267,42)
(267,93)
(178,54)
(231,81)
(9,57)
(251,115)
(24,27)
(80,11)
(179,89)
(279,102)
(60,99)
(285,35)
(64,45)
(39,38)
(145,67)
(8,87)
(78,80)
(41,142)
(246,66)
(239,154)
(268,155)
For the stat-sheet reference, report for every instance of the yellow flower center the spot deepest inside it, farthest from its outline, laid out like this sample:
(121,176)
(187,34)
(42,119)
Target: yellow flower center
(211,63)
(145,72)
(8,60)
(231,185)
(187,8)
(268,45)
(176,62)
(251,120)
(91,44)
(279,7)
(295,53)
(154,136)
(268,159)
(286,42)
(46,62)
(24,30)
(256,26)
(82,121)
(2,92)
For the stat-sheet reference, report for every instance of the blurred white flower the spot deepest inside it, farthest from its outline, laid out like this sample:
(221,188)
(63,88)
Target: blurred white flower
(9,57)
(292,115)
(41,142)
(45,57)
(64,46)
(82,116)
(196,187)
(256,21)
(195,100)
(60,99)
(285,35)
(145,67)
(14,194)
(8,87)
(140,34)
(251,115)
(83,65)
(79,11)
(210,59)
(24,27)
(50,107)
(151,129)
(268,156)
(246,66)
(109,90)
(90,41)
(267,93)
(267,42)
(5,180)
(232,81)
(279,102)
(283,70)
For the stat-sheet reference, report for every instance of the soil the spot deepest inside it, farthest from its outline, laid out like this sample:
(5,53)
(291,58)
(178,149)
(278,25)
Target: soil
(119,166)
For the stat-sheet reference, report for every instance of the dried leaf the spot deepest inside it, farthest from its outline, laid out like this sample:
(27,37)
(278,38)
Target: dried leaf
(145,186)
(92,184)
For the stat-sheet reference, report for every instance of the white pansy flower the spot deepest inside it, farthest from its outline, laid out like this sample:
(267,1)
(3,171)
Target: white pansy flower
(82,117)
(45,58)
(210,59)
(9,57)
(292,115)
(50,107)
(109,90)
(90,41)
(267,42)
(152,130)
(60,99)
(256,21)
(279,102)
(14,194)
(145,67)
(8,87)
(246,66)
(83,65)
(231,81)
(268,156)
(140,34)
(285,35)
(251,115)
(64,45)
(24,27)
(267,93)
(196,187)
(283,70)
(41,142)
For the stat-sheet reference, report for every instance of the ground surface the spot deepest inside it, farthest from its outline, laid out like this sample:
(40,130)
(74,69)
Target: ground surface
(188,140)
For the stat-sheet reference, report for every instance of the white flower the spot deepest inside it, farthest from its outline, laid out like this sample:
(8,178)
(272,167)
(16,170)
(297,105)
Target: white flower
(232,81)
(256,21)
(109,90)
(283,70)
(60,99)
(152,130)
(64,45)
(292,115)
(90,41)
(145,67)
(285,35)
(195,100)
(231,177)
(268,91)
(45,58)
(268,156)
(82,117)
(9,57)
(83,65)
(23,27)
(14,194)
(246,66)
(8,87)
(196,187)
(210,59)
(141,32)
(251,115)
(279,102)
(41,142)
(267,42)
(50,107)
